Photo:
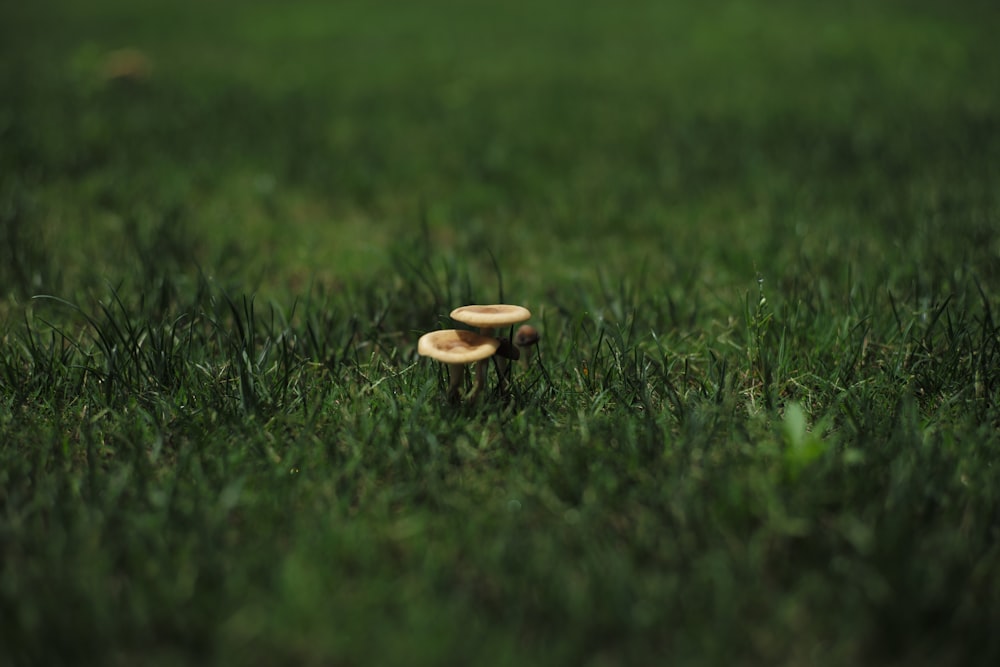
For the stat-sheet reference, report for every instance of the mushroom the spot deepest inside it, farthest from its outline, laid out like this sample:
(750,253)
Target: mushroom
(456,348)
(488,318)
(126,66)
(525,338)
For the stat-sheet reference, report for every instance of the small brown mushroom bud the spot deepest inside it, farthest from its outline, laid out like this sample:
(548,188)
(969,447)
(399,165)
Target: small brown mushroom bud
(525,338)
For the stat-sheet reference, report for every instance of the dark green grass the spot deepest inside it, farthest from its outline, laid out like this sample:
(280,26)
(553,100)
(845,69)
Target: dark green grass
(760,241)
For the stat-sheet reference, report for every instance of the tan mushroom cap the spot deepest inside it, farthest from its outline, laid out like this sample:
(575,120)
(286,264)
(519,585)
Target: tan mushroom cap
(455,346)
(490,316)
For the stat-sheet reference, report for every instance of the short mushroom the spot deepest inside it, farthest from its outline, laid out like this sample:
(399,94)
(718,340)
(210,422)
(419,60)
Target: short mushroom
(488,318)
(525,338)
(126,66)
(456,348)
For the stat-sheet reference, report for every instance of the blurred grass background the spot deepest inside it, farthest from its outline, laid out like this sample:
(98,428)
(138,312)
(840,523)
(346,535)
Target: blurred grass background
(302,139)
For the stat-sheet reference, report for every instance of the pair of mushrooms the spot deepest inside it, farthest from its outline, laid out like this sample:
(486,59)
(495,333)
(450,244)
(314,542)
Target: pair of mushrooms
(457,347)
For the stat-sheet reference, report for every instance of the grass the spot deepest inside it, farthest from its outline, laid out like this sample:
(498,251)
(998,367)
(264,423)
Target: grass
(760,242)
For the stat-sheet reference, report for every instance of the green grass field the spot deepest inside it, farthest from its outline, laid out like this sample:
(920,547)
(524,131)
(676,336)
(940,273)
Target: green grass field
(761,241)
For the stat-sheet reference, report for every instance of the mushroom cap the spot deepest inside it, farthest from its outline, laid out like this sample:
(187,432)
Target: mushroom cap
(491,316)
(128,64)
(455,346)
(526,335)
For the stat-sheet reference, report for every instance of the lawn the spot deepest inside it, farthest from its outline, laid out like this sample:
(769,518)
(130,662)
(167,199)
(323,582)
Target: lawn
(761,242)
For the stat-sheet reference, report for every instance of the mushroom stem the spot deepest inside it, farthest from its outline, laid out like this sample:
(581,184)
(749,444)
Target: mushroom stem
(525,339)
(482,366)
(506,353)
(456,373)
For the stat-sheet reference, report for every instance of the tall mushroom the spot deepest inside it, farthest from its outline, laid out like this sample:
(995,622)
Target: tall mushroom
(456,348)
(488,318)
